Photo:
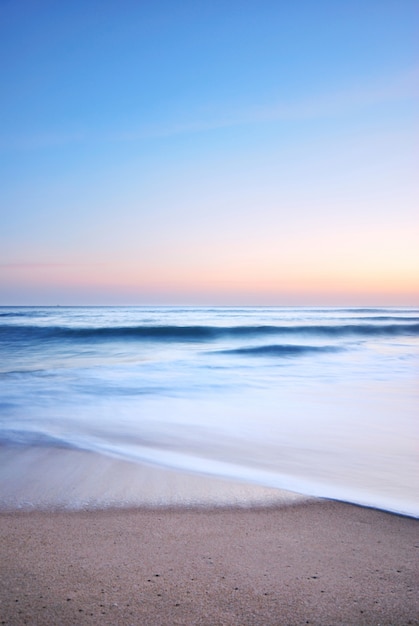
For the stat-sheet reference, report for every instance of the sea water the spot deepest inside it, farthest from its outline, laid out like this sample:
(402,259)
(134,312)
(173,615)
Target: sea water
(316,401)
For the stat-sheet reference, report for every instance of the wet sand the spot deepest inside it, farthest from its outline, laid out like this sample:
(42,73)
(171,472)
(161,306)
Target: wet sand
(317,562)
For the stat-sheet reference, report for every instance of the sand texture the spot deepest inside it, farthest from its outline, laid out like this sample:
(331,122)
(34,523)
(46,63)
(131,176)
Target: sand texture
(311,563)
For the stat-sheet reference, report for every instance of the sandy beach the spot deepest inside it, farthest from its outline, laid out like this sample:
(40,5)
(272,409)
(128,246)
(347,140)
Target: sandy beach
(318,562)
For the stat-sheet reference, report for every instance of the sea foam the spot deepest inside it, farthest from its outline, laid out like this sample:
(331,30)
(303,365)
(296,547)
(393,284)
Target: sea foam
(246,403)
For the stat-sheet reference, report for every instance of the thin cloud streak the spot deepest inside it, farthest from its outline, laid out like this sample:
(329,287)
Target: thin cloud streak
(400,87)
(395,88)
(29,265)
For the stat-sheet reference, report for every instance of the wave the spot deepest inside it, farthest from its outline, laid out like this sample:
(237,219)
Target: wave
(154,332)
(170,333)
(388,318)
(356,309)
(17,314)
(15,437)
(280,350)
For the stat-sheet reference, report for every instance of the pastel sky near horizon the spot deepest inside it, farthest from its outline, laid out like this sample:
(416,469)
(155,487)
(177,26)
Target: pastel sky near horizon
(223,152)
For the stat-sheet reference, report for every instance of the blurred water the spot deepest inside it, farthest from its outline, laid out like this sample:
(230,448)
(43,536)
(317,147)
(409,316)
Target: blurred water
(321,401)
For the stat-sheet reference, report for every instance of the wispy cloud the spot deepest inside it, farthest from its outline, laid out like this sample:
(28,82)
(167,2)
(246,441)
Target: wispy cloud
(331,104)
(35,265)
(356,97)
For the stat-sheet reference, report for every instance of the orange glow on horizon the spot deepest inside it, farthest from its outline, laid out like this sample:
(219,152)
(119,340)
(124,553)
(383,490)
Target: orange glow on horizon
(130,283)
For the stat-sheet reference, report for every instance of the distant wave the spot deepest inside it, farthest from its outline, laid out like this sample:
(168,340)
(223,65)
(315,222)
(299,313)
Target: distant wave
(388,318)
(17,314)
(374,310)
(199,333)
(156,332)
(280,350)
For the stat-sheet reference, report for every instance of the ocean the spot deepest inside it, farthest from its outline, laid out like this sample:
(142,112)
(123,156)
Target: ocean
(124,406)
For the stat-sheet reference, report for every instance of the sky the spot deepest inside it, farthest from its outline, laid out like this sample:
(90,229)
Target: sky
(252,152)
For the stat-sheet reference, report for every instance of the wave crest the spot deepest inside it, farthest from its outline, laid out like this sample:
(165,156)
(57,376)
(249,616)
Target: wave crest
(280,350)
(171,333)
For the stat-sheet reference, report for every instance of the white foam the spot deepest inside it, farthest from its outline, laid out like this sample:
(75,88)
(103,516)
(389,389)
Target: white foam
(51,478)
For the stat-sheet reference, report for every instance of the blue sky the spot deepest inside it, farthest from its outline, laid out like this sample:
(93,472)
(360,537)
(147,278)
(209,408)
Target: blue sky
(195,152)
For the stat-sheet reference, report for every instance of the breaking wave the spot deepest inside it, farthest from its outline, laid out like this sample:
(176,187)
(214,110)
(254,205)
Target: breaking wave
(280,350)
(201,333)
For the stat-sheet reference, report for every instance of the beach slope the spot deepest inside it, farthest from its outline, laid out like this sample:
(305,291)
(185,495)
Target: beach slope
(308,563)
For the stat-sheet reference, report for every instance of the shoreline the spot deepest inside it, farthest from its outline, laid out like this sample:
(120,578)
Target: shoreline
(314,562)
(66,479)
(48,478)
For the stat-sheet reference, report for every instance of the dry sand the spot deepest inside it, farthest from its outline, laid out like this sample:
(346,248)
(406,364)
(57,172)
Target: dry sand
(311,563)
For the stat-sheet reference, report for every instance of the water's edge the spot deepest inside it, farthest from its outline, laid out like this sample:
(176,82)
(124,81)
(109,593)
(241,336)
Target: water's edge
(121,406)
